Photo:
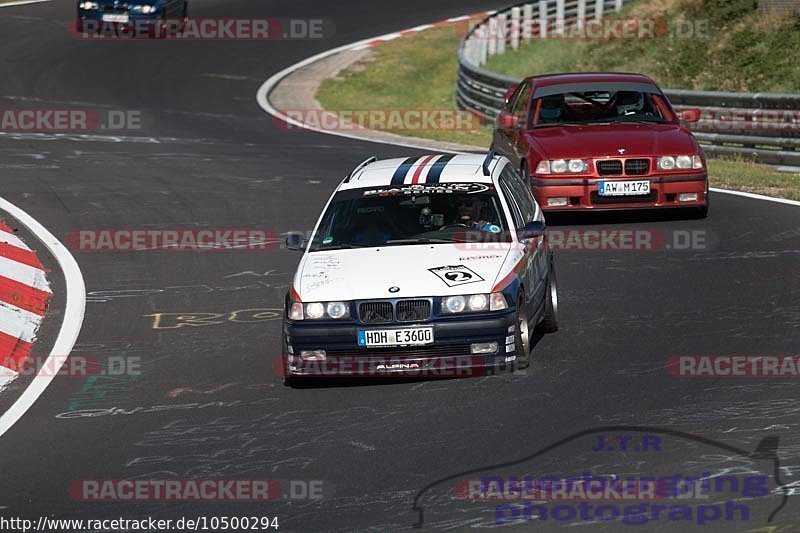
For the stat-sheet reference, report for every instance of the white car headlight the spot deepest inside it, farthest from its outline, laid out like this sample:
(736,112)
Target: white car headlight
(454,304)
(666,162)
(697,161)
(89,6)
(478,302)
(683,161)
(474,302)
(336,309)
(315,310)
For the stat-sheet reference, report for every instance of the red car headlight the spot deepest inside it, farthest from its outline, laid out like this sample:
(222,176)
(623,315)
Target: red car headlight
(680,162)
(562,166)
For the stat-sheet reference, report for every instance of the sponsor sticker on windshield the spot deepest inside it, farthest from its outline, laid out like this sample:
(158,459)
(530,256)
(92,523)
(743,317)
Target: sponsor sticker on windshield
(431,188)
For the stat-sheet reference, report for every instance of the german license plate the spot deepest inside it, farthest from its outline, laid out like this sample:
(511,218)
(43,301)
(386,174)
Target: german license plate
(623,188)
(395,337)
(116,18)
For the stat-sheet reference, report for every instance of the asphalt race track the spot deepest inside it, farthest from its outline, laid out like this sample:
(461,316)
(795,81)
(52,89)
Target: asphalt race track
(215,159)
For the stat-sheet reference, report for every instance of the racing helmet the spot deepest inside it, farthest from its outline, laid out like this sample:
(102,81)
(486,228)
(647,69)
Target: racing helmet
(552,106)
(629,102)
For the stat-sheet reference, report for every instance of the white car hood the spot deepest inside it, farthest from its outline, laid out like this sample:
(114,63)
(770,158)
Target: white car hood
(367,273)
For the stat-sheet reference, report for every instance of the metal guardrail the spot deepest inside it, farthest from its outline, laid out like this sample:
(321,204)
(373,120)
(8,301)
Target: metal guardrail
(761,126)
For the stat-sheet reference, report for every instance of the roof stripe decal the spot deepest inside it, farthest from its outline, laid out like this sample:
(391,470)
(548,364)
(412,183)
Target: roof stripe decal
(400,174)
(418,172)
(438,167)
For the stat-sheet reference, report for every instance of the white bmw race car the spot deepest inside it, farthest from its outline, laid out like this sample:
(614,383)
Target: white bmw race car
(426,266)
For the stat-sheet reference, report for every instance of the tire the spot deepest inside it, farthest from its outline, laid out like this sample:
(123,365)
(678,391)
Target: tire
(549,323)
(701,212)
(522,337)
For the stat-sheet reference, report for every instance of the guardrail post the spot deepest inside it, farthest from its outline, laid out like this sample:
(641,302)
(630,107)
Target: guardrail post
(598,9)
(485,46)
(491,36)
(502,28)
(581,15)
(469,51)
(560,17)
(482,44)
(514,27)
(617,5)
(527,22)
(543,19)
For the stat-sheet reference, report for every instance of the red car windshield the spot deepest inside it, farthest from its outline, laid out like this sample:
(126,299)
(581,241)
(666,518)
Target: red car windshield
(593,107)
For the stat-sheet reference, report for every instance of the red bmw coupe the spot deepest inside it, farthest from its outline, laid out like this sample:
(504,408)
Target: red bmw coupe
(602,141)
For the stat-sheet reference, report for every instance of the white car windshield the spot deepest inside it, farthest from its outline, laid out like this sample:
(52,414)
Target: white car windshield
(410,214)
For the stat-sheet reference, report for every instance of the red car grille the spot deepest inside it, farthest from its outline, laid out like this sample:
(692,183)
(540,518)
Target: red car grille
(609,167)
(637,167)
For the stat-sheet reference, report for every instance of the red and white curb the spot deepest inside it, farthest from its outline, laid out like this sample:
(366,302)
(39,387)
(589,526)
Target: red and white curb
(24,294)
(423,27)
(74,306)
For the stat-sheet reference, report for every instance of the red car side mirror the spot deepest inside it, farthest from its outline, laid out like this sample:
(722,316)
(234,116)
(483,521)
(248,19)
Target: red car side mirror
(507,121)
(690,115)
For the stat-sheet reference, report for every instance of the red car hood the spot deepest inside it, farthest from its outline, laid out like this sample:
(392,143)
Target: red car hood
(598,140)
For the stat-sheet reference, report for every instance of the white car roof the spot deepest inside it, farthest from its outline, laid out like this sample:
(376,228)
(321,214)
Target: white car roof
(432,168)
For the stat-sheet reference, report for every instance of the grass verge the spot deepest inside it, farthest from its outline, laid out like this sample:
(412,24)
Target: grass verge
(744,175)
(418,71)
(412,72)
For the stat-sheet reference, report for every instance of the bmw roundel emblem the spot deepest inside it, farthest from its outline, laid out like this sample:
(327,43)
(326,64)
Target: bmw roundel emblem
(394,289)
